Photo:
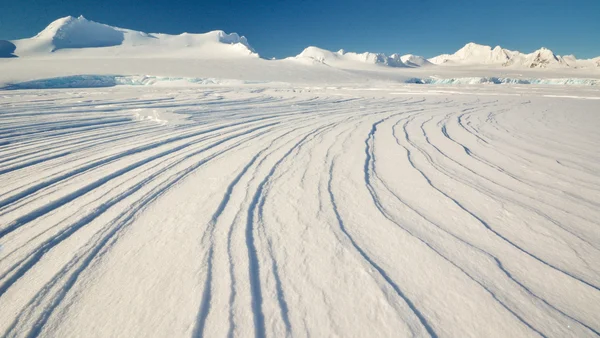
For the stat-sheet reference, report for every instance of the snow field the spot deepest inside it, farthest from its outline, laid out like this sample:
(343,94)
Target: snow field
(253,210)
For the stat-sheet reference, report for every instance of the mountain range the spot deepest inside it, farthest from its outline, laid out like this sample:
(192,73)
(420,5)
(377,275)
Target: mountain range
(473,53)
(82,38)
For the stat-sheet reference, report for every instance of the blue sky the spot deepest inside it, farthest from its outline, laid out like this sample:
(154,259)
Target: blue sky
(282,28)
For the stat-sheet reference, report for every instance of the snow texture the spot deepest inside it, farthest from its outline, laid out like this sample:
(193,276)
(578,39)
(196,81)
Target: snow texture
(291,211)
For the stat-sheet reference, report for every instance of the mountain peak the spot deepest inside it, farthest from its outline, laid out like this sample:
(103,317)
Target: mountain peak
(476,54)
(414,60)
(475,45)
(473,53)
(71,32)
(60,24)
(80,34)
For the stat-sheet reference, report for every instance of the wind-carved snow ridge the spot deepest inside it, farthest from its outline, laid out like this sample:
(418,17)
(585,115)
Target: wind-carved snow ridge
(283,211)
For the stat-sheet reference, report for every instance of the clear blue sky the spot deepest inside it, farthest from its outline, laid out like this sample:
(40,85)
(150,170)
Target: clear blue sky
(282,28)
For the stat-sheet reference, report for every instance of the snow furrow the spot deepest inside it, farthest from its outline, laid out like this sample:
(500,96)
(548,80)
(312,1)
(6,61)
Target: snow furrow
(278,211)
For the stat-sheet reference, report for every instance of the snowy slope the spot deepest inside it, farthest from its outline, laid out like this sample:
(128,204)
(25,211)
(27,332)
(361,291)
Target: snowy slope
(475,54)
(77,37)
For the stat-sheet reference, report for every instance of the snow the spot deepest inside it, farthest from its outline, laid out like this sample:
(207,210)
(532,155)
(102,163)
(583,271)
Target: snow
(503,80)
(71,37)
(96,81)
(153,189)
(414,60)
(345,59)
(295,210)
(475,54)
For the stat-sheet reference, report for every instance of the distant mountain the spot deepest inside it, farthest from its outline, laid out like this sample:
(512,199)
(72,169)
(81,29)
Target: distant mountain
(415,60)
(72,37)
(342,58)
(475,54)
(84,37)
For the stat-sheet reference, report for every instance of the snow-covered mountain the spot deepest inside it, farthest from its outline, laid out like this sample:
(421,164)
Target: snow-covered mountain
(81,37)
(343,59)
(541,58)
(415,60)
(71,37)
(475,54)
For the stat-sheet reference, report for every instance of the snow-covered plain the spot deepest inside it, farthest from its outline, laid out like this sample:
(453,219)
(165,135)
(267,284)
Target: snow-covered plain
(271,211)
(197,194)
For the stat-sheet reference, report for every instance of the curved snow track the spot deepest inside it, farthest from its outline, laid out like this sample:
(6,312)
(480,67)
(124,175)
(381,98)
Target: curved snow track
(266,212)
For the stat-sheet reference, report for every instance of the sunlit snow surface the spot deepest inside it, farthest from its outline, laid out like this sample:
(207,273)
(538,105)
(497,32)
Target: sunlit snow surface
(95,81)
(261,210)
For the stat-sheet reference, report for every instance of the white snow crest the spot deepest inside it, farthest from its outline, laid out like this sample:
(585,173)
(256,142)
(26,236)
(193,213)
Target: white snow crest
(347,59)
(476,54)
